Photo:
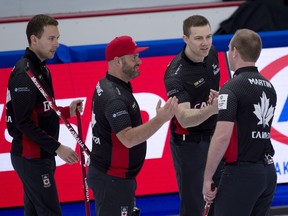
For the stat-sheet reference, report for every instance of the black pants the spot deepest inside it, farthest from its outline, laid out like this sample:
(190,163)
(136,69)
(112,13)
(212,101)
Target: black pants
(189,157)
(113,196)
(40,192)
(246,189)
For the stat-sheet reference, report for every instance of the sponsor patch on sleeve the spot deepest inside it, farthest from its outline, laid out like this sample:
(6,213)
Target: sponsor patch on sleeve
(222,101)
(123,112)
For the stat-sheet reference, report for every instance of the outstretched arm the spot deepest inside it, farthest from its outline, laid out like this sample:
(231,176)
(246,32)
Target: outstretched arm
(190,117)
(134,136)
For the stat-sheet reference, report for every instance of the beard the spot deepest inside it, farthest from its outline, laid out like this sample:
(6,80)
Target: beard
(129,71)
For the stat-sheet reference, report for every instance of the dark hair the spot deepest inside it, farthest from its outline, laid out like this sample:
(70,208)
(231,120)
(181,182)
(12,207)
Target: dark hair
(36,25)
(195,20)
(248,43)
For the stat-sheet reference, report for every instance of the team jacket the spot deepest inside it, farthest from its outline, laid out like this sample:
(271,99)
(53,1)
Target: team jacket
(33,125)
(248,100)
(114,109)
(191,82)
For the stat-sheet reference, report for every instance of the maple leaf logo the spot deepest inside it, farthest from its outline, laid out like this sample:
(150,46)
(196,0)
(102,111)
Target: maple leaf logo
(263,112)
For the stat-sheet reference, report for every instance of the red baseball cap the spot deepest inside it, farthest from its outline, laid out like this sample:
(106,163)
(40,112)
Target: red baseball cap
(122,45)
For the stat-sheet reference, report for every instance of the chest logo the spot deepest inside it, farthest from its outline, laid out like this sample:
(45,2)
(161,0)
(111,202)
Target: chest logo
(199,82)
(46,106)
(216,69)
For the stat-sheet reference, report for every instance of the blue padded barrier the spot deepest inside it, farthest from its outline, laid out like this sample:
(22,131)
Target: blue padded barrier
(85,53)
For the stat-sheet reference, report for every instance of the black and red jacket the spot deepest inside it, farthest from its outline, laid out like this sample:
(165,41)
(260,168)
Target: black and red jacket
(114,109)
(33,125)
(191,82)
(248,100)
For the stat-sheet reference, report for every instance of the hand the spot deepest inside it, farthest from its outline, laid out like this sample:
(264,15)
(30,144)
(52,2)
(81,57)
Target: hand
(209,193)
(76,104)
(214,105)
(67,154)
(213,101)
(166,112)
(213,94)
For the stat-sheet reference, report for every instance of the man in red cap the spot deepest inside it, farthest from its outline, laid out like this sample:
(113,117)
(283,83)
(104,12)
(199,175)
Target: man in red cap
(119,136)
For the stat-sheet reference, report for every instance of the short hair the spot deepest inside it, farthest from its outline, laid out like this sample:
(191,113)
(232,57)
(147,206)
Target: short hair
(36,25)
(194,21)
(248,43)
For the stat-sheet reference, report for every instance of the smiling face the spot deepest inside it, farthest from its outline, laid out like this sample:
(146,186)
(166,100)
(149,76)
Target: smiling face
(198,42)
(45,46)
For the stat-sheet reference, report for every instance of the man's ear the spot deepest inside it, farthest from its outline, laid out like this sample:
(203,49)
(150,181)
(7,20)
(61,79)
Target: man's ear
(117,60)
(185,38)
(33,39)
(235,52)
